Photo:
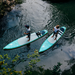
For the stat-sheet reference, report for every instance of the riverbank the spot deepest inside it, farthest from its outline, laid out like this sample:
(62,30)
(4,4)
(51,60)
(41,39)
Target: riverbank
(6,6)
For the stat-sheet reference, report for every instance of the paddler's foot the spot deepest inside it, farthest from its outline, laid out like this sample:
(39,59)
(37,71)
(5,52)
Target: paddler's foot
(51,36)
(55,39)
(28,40)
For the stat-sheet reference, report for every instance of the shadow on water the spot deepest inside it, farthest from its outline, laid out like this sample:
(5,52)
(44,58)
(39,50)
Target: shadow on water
(57,1)
(28,47)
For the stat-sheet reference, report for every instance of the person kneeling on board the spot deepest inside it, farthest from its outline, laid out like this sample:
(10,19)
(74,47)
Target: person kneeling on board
(55,31)
(28,32)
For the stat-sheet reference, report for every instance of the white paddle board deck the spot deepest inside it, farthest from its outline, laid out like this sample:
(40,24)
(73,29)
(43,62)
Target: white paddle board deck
(23,40)
(50,40)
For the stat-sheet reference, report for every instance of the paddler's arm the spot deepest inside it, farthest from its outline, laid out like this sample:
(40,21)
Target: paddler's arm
(26,33)
(53,29)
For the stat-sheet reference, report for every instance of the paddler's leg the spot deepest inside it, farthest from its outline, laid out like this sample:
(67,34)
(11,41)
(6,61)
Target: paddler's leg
(29,36)
(53,34)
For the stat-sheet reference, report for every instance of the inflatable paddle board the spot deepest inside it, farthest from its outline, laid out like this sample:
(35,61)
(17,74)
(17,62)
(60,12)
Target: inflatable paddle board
(50,40)
(23,40)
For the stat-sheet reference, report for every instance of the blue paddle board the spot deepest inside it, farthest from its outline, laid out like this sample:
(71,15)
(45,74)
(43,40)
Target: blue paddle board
(50,40)
(23,40)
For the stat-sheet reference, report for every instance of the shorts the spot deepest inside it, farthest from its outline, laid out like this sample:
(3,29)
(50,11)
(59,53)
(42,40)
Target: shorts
(54,32)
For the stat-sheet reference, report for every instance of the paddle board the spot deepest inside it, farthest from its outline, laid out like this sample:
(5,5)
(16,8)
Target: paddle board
(23,40)
(50,40)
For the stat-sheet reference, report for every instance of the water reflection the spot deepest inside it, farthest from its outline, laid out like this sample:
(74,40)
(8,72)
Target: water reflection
(28,47)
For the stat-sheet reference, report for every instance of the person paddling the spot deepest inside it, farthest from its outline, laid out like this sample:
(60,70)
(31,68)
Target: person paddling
(55,31)
(28,32)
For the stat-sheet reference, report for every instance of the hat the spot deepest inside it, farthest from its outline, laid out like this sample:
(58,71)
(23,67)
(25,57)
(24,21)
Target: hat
(27,26)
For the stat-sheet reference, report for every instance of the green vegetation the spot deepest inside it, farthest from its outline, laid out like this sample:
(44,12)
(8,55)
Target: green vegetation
(35,59)
(41,71)
(33,69)
(7,66)
(70,71)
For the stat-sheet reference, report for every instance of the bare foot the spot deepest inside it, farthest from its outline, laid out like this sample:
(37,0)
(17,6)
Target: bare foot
(51,36)
(28,40)
(55,39)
